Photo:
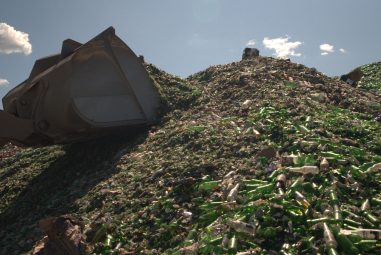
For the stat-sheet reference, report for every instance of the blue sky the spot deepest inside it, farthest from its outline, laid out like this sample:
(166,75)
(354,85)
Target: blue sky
(183,37)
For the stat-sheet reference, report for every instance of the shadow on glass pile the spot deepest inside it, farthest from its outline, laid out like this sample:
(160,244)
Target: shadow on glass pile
(71,176)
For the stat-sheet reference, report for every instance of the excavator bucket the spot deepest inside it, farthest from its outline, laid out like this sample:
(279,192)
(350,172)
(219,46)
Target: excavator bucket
(87,90)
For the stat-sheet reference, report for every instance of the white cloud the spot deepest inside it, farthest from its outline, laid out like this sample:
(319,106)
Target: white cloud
(3,82)
(326,49)
(342,50)
(250,43)
(283,48)
(13,41)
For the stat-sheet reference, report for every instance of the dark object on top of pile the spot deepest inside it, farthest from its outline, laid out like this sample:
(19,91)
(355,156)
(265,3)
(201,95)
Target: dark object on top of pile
(353,77)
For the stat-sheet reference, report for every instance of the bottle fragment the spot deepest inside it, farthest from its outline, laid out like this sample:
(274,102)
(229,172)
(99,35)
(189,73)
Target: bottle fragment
(304,170)
(256,133)
(280,183)
(346,244)
(322,219)
(233,243)
(229,175)
(246,104)
(243,227)
(374,168)
(294,186)
(225,241)
(232,196)
(301,199)
(208,185)
(363,233)
(329,239)
(333,196)
(336,212)
(289,159)
(365,205)
(324,165)
(368,215)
